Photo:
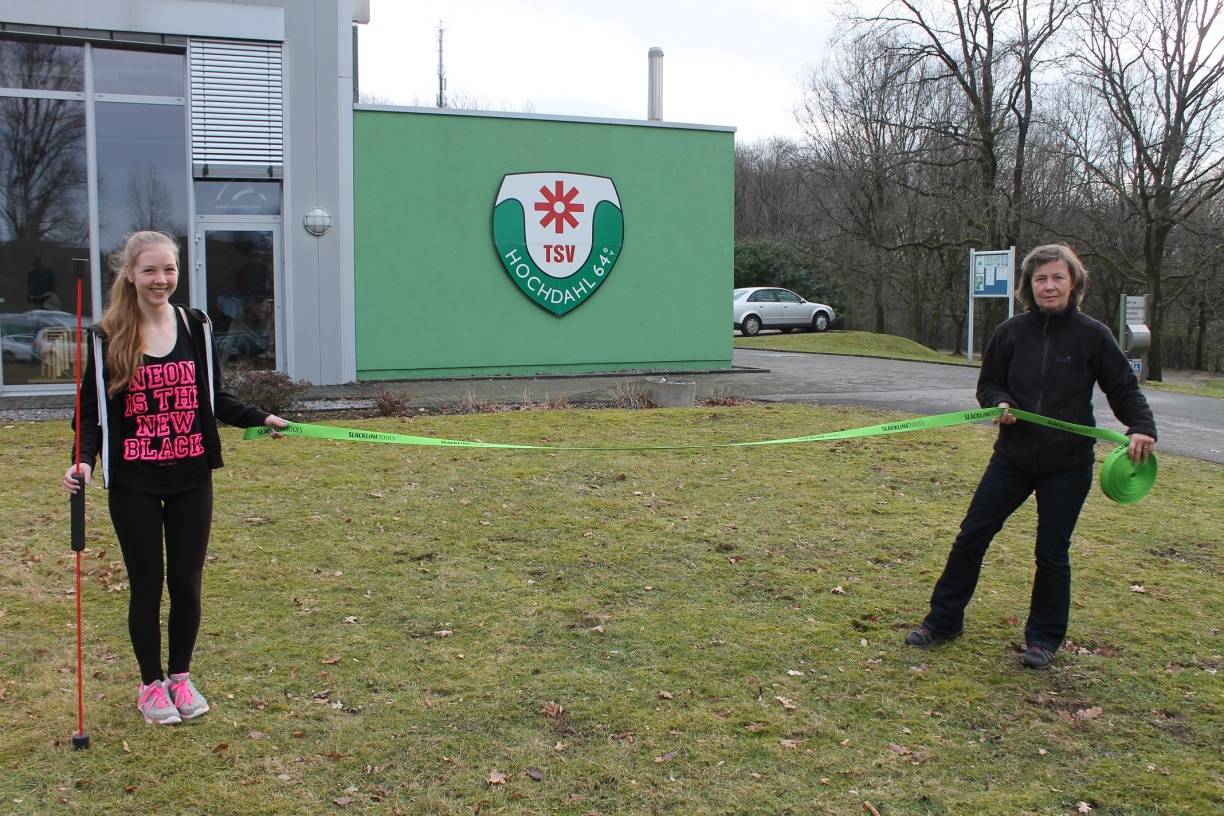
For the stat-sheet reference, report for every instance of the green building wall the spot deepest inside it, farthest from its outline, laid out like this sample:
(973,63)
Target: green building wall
(433,299)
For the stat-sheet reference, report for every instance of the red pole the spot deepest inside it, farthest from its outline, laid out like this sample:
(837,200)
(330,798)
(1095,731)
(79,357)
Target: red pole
(80,739)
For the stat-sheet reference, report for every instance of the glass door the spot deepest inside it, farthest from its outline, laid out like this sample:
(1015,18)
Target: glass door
(241,270)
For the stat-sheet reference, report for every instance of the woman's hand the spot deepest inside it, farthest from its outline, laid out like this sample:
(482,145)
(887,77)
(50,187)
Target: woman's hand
(275,423)
(70,484)
(1140,446)
(1006,417)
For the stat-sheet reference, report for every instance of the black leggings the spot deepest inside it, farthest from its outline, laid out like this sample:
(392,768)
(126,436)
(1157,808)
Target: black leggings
(139,519)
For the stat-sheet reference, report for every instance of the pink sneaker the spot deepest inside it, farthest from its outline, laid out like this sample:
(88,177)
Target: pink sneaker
(187,698)
(155,706)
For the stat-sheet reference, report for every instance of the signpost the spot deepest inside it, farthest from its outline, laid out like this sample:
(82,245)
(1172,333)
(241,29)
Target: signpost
(991,275)
(1133,332)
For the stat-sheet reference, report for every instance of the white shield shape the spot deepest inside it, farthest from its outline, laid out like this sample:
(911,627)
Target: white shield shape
(558,235)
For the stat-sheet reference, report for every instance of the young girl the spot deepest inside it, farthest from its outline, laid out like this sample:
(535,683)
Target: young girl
(150,400)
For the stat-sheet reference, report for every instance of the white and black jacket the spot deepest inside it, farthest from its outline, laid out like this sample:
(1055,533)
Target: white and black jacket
(100,425)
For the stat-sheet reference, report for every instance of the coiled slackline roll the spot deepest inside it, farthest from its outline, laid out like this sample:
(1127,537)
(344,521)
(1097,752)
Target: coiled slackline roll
(1124,481)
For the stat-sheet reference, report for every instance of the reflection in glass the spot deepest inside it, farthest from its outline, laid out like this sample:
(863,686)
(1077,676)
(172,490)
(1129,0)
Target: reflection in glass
(241,296)
(144,73)
(35,65)
(238,197)
(142,176)
(44,224)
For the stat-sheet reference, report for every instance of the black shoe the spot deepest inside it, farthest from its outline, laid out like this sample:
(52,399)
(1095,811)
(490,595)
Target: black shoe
(925,638)
(1037,657)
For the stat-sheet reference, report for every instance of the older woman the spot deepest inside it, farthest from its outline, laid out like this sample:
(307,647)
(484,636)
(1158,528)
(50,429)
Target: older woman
(1045,360)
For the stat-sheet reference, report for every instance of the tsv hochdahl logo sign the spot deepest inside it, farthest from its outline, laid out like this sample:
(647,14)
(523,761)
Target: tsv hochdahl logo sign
(558,235)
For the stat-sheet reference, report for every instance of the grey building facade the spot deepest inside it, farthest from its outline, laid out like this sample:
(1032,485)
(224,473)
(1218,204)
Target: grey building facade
(225,124)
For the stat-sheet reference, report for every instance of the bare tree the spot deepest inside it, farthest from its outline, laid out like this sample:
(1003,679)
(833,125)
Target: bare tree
(1155,138)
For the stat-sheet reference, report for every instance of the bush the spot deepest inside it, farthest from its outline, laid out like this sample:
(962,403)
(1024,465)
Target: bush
(273,391)
(472,404)
(392,403)
(630,395)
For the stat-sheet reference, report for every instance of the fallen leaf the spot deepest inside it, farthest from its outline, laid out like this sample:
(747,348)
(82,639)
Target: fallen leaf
(754,727)
(1088,713)
(350,618)
(786,703)
(838,590)
(299,734)
(535,774)
(670,755)
(794,673)
(870,808)
(343,801)
(220,747)
(899,750)
(665,695)
(553,710)
(791,743)
(330,661)
(444,633)
(126,748)
(1083,807)
(497,778)
(1133,588)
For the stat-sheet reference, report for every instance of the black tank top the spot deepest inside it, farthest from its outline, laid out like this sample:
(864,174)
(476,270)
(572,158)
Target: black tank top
(162,444)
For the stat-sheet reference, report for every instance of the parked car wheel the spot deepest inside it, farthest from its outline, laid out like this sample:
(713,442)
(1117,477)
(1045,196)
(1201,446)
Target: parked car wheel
(820,322)
(751,326)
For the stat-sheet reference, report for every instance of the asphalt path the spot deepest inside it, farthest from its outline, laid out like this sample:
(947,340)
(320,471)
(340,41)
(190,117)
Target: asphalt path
(1186,425)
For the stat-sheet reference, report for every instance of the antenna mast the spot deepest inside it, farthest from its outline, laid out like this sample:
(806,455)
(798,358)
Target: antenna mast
(441,70)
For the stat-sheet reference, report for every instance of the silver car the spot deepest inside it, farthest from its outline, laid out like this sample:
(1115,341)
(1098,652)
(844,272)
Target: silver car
(767,307)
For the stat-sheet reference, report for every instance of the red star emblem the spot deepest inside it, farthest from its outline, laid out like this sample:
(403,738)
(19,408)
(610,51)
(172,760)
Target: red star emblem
(559,207)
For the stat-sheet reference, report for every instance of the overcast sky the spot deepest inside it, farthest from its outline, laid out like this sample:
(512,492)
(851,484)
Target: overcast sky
(727,62)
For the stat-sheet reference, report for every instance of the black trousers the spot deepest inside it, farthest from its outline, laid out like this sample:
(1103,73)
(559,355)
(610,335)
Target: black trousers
(1004,487)
(140,519)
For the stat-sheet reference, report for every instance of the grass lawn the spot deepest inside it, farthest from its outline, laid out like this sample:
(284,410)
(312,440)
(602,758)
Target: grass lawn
(392,630)
(1202,386)
(861,343)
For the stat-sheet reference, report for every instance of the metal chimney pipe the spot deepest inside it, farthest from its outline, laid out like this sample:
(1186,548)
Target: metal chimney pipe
(654,106)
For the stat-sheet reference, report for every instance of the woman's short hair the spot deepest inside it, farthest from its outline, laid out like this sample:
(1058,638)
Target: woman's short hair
(1045,254)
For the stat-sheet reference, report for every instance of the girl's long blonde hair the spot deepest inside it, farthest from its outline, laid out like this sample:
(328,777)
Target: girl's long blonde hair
(121,319)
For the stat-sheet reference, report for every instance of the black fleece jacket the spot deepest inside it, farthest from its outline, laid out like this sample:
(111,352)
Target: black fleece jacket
(1048,363)
(100,421)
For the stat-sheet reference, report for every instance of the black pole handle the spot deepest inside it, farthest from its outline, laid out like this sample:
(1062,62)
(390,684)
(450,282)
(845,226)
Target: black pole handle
(80,267)
(78,513)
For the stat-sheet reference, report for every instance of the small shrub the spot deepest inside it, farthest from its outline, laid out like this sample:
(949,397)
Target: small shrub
(273,391)
(471,404)
(556,402)
(630,395)
(722,397)
(392,403)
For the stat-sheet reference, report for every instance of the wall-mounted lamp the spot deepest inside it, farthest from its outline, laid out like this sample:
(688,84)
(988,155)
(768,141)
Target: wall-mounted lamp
(317,222)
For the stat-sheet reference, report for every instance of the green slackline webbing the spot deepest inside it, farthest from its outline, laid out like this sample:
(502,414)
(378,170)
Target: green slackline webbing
(1121,480)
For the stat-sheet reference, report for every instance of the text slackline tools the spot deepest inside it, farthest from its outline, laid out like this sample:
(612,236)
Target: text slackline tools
(1121,479)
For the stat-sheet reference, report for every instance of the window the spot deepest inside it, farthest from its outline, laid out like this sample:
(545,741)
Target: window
(763,296)
(787,296)
(42,66)
(139,73)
